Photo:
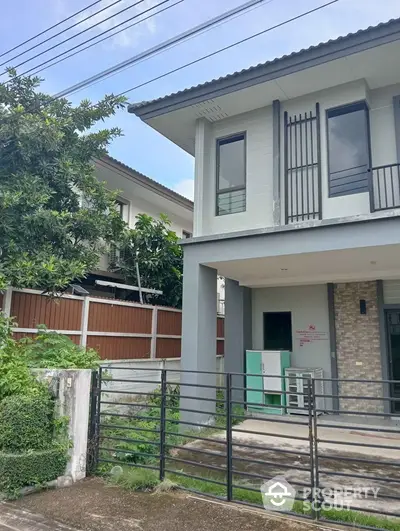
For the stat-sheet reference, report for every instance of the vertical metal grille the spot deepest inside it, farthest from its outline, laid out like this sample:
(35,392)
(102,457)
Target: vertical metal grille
(302,166)
(386,187)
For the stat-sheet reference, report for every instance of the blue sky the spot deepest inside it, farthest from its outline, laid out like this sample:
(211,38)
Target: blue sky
(141,147)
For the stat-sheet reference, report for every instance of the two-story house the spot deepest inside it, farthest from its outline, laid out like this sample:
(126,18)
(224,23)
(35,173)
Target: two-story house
(297,204)
(138,194)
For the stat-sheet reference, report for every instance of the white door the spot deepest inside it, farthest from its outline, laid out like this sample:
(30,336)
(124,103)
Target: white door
(271,366)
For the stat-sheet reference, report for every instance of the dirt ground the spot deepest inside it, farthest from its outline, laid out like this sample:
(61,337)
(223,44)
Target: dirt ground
(91,505)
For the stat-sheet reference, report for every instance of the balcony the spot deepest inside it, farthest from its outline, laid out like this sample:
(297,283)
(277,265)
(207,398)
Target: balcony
(385,187)
(303,199)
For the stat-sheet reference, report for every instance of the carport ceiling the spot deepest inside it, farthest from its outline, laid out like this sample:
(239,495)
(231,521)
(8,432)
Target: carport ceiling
(313,268)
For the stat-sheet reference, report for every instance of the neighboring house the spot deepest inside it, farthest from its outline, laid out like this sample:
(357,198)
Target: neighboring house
(297,204)
(138,194)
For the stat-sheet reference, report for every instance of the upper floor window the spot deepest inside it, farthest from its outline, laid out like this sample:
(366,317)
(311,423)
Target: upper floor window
(122,208)
(349,149)
(231,175)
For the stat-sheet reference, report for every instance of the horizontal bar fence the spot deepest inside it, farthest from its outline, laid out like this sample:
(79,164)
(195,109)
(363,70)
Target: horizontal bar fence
(214,435)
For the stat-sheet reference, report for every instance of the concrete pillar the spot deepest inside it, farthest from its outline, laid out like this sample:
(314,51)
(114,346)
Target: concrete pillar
(238,332)
(202,160)
(199,339)
(276,170)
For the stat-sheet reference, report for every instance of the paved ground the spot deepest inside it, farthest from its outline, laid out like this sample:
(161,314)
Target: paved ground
(91,506)
(338,461)
(346,435)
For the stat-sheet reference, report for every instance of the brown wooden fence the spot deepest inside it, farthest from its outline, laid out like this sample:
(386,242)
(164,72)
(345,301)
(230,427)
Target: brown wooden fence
(116,329)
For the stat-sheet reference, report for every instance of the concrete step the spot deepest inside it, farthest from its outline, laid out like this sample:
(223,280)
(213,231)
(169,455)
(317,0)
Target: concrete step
(13,519)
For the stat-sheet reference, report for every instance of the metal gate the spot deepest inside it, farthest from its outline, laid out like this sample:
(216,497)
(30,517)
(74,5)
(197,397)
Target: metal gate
(159,420)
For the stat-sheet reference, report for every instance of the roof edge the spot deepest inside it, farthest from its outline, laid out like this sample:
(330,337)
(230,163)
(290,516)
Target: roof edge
(147,182)
(352,43)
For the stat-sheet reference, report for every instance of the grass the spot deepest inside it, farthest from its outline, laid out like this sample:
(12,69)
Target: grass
(140,479)
(360,519)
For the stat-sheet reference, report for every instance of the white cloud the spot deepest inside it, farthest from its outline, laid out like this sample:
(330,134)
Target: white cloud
(128,37)
(185,188)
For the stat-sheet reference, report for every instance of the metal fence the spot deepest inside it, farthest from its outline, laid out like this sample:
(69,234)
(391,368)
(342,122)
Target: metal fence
(216,438)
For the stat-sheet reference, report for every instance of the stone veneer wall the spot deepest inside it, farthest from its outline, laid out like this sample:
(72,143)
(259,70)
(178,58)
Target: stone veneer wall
(358,345)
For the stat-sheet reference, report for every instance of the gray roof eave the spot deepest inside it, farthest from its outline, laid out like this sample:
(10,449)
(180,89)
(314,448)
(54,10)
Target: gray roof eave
(148,183)
(352,43)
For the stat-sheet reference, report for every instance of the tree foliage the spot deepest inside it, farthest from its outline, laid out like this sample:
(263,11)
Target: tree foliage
(56,218)
(154,246)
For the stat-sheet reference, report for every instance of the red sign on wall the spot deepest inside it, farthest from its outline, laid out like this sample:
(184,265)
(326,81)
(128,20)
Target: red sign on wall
(310,335)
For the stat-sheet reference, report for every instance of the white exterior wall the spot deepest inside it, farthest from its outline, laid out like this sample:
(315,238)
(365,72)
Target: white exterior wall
(309,306)
(128,191)
(140,200)
(258,127)
(258,214)
(383,140)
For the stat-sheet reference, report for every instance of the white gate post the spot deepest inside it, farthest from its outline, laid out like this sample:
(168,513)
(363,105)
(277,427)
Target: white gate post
(7,302)
(84,321)
(154,321)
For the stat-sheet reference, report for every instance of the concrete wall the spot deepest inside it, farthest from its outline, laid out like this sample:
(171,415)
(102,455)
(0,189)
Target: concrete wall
(309,306)
(72,401)
(150,370)
(358,345)
(258,128)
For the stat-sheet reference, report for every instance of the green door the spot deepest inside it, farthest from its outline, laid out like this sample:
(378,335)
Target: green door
(254,384)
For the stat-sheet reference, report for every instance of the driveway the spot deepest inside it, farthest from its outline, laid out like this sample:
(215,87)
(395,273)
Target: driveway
(91,505)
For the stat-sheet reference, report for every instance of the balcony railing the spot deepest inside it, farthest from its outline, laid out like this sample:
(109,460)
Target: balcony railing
(385,187)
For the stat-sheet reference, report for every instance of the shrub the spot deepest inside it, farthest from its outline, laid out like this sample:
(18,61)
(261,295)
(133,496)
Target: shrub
(15,377)
(30,468)
(172,398)
(26,422)
(49,350)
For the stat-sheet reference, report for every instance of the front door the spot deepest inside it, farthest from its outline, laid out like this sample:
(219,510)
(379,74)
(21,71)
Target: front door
(393,330)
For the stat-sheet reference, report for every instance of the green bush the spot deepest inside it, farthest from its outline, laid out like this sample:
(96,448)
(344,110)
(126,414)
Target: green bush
(30,468)
(49,350)
(26,422)
(171,400)
(15,376)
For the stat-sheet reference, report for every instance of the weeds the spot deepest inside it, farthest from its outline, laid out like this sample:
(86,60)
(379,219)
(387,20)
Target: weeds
(139,479)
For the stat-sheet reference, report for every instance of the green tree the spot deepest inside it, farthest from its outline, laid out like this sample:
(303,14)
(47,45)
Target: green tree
(154,247)
(56,218)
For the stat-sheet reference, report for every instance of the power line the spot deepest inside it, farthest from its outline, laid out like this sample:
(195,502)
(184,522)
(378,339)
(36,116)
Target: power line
(108,36)
(220,50)
(159,48)
(60,33)
(62,54)
(50,28)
